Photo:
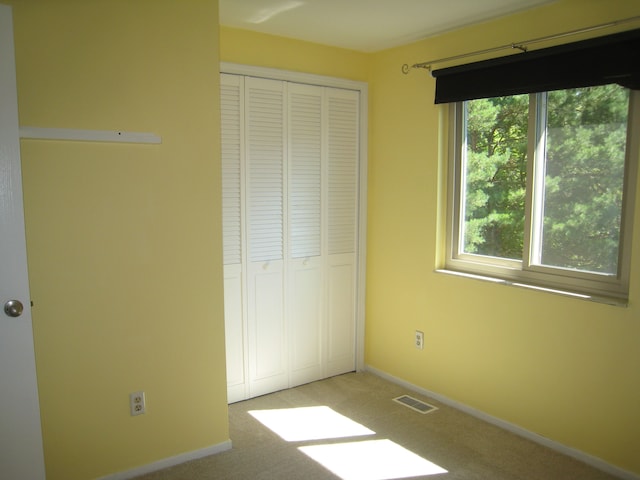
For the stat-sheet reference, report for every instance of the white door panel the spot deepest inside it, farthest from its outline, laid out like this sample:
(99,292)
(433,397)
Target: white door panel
(342,308)
(305,194)
(342,228)
(266,329)
(231,132)
(232,152)
(306,324)
(234,334)
(265,220)
(305,171)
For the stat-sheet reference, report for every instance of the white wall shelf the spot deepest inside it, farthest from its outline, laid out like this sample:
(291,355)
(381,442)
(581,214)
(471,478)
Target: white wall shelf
(88,135)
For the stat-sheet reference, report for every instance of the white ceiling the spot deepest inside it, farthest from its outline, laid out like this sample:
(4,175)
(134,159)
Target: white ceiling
(364,25)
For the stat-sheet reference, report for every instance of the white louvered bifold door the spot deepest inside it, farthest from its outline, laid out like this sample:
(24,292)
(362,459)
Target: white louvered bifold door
(265,216)
(305,263)
(290,157)
(342,108)
(232,128)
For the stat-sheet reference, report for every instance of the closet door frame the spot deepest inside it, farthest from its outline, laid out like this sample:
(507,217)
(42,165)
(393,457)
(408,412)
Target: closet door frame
(362,89)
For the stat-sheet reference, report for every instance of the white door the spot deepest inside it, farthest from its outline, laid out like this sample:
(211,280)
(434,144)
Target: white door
(290,172)
(232,131)
(21,455)
(266,224)
(305,261)
(343,153)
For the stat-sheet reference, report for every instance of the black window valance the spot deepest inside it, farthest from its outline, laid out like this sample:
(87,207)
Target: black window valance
(597,61)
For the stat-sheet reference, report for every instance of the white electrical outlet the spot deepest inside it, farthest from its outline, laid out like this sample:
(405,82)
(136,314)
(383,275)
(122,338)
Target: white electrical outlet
(419,340)
(136,403)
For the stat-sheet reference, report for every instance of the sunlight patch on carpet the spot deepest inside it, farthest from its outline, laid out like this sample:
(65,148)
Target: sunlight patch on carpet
(371,460)
(309,423)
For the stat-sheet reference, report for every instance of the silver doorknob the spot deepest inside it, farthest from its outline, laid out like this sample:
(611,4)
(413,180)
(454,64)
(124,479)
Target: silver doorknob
(13,308)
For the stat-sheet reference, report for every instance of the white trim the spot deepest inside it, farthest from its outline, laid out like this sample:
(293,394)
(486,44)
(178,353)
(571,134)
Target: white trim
(363,88)
(290,76)
(590,460)
(362,228)
(169,462)
(616,302)
(88,135)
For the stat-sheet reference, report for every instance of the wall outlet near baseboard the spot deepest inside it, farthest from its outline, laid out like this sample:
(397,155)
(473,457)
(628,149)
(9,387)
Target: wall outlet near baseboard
(419,340)
(137,403)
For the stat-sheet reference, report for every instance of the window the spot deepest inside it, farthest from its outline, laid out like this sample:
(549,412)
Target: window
(542,188)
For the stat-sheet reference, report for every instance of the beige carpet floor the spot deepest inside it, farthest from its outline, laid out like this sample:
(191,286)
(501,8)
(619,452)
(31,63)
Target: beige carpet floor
(466,447)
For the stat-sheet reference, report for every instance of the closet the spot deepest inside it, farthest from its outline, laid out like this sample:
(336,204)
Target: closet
(290,185)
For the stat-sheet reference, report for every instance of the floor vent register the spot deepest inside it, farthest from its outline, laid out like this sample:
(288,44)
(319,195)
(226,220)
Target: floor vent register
(415,404)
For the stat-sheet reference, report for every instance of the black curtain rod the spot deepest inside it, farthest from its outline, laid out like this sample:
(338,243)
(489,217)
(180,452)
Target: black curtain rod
(521,46)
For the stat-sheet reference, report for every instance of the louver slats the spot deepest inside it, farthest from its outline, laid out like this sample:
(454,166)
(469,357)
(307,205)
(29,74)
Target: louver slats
(230,106)
(305,110)
(343,171)
(265,154)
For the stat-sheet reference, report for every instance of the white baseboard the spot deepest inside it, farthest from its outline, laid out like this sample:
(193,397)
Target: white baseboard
(558,447)
(169,462)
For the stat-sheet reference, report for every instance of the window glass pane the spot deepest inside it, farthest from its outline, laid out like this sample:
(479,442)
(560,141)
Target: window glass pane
(583,182)
(494,176)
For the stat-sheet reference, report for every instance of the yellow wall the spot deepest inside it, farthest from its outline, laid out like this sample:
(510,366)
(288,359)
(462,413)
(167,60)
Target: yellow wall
(125,252)
(124,241)
(563,368)
(249,48)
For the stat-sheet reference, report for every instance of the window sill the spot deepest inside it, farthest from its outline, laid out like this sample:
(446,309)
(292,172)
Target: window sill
(617,302)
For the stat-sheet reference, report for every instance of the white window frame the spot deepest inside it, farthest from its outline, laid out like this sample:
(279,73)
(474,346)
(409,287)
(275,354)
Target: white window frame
(594,286)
